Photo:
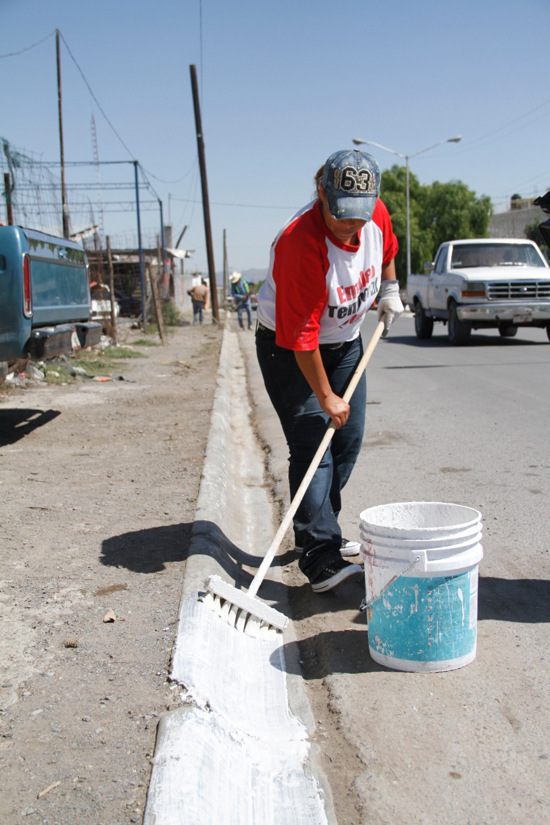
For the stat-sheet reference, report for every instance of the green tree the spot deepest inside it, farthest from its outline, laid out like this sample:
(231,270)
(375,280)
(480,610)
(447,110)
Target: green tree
(394,194)
(452,210)
(438,212)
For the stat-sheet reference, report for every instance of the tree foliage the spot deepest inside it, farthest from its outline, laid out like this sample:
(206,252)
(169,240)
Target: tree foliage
(438,212)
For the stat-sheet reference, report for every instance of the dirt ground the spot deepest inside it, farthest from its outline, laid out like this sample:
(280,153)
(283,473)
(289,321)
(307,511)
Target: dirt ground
(99,482)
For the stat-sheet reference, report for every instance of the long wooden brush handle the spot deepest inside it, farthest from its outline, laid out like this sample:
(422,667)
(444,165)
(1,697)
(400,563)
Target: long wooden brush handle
(306,481)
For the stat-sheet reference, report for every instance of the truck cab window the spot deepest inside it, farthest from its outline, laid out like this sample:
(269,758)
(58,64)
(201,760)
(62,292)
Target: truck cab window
(441,261)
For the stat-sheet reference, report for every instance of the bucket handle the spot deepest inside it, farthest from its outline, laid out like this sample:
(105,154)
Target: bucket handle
(365,604)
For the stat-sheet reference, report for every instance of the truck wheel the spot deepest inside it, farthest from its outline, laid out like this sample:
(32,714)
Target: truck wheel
(423,326)
(507,330)
(459,333)
(548,331)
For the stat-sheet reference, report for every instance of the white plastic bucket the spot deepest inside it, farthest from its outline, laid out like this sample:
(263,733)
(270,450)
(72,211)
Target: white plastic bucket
(421,576)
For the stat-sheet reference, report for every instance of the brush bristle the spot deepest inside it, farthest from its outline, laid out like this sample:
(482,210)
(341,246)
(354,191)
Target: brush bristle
(246,614)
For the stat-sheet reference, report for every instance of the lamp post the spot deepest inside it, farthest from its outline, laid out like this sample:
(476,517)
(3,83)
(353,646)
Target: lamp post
(406,158)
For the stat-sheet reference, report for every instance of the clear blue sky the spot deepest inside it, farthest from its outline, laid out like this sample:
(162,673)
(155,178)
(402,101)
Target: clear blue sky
(282,86)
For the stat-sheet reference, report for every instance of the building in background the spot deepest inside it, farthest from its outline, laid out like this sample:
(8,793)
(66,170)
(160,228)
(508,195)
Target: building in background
(512,222)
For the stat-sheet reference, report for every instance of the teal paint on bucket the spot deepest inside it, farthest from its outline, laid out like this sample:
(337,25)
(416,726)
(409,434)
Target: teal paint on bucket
(421,575)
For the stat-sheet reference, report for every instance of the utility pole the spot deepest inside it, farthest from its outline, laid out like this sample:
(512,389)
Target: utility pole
(225,273)
(163,249)
(62,151)
(205,202)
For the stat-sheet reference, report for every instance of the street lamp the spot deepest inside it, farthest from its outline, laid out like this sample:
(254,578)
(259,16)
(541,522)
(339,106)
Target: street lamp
(358,141)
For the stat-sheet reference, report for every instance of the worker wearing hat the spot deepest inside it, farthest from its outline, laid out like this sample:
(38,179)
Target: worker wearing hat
(327,265)
(240,290)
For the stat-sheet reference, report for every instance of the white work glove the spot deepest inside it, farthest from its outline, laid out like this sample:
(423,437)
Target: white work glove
(389,305)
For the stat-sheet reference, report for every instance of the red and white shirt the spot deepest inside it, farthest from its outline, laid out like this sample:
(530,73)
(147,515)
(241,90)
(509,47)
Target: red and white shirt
(318,289)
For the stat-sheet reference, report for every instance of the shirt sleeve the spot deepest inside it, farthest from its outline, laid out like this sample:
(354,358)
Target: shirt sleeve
(299,271)
(382,219)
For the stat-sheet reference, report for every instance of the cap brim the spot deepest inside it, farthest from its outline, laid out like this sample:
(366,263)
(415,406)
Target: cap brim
(359,209)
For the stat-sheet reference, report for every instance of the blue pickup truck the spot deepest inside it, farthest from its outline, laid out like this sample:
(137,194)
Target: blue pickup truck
(44,295)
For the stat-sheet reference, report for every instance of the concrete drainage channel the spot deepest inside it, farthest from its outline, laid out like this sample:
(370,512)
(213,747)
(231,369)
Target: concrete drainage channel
(237,751)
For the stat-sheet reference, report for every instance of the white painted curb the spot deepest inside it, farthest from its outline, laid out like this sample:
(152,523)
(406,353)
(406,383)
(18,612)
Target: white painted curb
(236,753)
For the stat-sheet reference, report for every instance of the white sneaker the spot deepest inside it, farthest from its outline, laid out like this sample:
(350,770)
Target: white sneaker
(350,548)
(347,548)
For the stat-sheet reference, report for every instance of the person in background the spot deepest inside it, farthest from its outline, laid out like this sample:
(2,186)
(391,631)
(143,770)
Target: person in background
(240,290)
(327,266)
(199,296)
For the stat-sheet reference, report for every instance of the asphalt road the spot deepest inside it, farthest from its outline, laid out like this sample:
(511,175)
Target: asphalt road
(466,425)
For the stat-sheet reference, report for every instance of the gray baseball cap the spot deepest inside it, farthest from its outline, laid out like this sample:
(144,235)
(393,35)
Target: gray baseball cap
(351,180)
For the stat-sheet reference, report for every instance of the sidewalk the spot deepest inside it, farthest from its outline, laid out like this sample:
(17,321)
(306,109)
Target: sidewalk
(99,483)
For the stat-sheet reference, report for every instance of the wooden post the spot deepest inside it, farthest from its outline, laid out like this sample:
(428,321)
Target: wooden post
(154,289)
(205,201)
(112,288)
(65,210)
(160,263)
(7,191)
(225,270)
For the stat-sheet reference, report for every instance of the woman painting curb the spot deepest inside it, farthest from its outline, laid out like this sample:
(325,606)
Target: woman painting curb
(327,265)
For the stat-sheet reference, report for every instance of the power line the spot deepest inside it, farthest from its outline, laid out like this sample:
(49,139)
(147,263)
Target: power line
(80,162)
(193,186)
(95,98)
(28,48)
(129,206)
(147,182)
(511,122)
(482,141)
(179,180)
(525,183)
(109,122)
(242,205)
(87,187)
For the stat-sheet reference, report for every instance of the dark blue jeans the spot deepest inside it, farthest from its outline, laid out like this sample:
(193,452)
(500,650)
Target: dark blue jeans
(198,307)
(246,306)
(304,424)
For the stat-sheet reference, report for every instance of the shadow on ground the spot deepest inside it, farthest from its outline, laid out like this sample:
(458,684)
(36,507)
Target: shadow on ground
(514,600)
(147,551)
(346,651)
(16,424)
(478,340)
(339,651)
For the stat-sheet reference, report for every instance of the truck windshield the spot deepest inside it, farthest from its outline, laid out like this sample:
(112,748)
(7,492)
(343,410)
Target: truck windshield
(495,254)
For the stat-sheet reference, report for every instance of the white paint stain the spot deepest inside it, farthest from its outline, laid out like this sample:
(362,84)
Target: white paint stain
(461,597)
(414,607)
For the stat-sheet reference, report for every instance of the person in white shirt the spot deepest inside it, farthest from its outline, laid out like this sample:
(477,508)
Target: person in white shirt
(327,266)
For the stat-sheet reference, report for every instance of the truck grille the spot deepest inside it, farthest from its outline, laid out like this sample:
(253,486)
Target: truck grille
(518,290)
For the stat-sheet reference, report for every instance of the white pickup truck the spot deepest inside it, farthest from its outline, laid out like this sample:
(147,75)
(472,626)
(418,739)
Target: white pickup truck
(502,283)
